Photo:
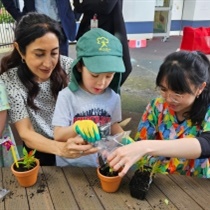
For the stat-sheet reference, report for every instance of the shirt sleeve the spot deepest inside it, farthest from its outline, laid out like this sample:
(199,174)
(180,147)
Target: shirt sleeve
(62,113)
(17,102)
(117,112)
(16,96)
(204,140)
(204,137)
(4,103)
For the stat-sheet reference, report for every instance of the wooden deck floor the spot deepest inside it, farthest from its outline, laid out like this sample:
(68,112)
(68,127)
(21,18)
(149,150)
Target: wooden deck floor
(79,188)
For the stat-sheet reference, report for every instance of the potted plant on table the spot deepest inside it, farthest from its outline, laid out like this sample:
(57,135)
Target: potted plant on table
(25,169)
(143,176)
(109,179)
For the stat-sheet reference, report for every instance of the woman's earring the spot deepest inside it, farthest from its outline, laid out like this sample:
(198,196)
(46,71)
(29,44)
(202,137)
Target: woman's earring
(197,96)
(22,60)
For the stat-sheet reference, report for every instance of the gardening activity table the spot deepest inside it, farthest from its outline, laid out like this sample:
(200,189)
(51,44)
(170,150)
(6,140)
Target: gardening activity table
(79,188)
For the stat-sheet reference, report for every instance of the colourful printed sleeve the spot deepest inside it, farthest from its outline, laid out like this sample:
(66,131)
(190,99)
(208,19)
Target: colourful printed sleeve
(148,123)
(204,137)
(206,122)
(4,104)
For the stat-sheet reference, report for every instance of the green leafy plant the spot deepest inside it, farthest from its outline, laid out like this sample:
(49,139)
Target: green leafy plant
(112,172)
(28,161)
(142,163)
(158,168)
(145,165)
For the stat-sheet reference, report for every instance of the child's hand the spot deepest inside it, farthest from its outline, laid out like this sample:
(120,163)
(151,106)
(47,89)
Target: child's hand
(88,130)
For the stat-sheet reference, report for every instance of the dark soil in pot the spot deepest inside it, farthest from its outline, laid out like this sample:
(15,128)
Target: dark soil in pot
(105,170)
(21,167)
(140,183)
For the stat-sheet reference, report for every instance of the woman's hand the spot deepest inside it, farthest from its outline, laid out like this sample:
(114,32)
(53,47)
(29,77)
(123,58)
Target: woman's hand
(124,157)
(77,147)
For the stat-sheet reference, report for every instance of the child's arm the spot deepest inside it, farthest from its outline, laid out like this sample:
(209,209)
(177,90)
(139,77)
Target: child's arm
(64,133)
(116,128)
(87,129)
(3,117)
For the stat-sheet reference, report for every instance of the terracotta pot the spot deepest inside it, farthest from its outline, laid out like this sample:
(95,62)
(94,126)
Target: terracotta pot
(26,178)
(109,184)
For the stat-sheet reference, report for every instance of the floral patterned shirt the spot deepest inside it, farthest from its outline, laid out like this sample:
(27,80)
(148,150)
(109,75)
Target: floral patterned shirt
(160,122)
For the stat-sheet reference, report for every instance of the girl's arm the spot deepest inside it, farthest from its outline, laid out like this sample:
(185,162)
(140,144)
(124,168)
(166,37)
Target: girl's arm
(188,148)
(3,117)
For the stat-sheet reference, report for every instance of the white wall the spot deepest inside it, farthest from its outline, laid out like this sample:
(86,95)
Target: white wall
(177,9)
(138,10)
(189,8)
(202,10)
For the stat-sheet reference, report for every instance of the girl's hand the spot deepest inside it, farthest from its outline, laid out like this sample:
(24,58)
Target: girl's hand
(125,156)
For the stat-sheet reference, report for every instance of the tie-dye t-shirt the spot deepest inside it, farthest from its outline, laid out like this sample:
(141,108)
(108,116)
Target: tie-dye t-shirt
(159,122)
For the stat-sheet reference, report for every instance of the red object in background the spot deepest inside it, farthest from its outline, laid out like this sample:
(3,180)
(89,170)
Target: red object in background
(196,39)
(137,43)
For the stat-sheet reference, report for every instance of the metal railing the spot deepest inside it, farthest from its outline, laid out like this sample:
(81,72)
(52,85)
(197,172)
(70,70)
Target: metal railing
(7,24)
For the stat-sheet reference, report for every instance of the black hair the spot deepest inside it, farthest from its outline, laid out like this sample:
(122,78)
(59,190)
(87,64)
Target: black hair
(29,28)
(182,69)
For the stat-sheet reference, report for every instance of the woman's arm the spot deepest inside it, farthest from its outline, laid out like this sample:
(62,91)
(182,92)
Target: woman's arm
(72,148)
(3,117)
(188,148)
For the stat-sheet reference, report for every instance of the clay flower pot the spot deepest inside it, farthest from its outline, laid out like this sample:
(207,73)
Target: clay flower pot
(109,183)
(26,178)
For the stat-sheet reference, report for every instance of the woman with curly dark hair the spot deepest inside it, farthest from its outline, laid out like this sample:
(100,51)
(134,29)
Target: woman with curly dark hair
(34,72)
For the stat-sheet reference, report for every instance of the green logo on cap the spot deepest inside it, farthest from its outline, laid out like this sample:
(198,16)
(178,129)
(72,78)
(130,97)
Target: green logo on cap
(103,42)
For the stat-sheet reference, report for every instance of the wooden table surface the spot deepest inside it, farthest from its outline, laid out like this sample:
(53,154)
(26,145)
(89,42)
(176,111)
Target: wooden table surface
(79,188)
